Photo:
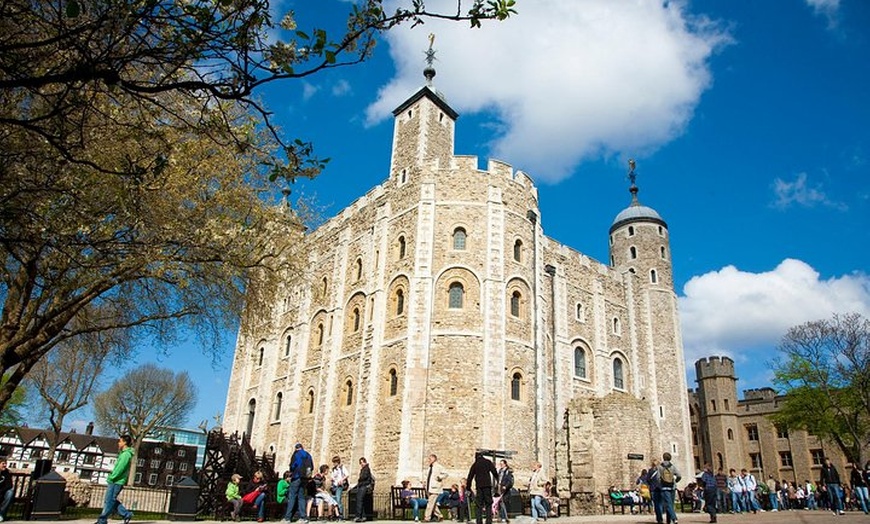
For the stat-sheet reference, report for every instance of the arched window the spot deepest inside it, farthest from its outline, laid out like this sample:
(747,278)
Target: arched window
(581,315)
(311,401)
(400,301)
(358,268)
(720,460)
(653,276)
(518,250)
(355,319)
(394,383)
(349,399)
(252,410)
(730,434)
(515,303)
(260,360)
(459,239)
(579,362)
(401,247)
(320,334)
(276,412)
(287,347)
(632,252)
(323,287)
(663,252)
(616,329)
(516,383)
(456,296)
(631,231)
(618,377)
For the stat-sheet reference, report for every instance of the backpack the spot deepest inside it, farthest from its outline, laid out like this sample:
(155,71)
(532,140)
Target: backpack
(667,475)
(307,466)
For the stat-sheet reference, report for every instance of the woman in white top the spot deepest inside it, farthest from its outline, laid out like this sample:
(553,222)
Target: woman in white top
(339,482)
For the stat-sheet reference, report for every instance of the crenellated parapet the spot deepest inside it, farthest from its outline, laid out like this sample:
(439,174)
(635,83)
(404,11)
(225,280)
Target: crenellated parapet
(713,367)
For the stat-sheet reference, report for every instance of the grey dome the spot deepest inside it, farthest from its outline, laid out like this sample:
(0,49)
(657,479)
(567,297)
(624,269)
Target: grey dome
(636,213)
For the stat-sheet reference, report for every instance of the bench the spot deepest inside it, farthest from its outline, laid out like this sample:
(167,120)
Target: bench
(399,505)
(621,499)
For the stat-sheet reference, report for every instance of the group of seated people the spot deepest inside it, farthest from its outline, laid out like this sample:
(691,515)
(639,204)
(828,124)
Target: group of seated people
(317,492)
(458,500)
(630,498)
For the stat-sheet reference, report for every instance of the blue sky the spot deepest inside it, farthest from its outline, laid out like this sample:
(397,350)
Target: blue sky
(748,121)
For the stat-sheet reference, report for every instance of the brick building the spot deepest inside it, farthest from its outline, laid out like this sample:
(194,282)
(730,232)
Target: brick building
(437,316)
(737,433)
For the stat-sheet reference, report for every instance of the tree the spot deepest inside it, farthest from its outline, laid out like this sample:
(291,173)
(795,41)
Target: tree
(143,402)
(825,375)
(10,414)
(137,167)
(66,377)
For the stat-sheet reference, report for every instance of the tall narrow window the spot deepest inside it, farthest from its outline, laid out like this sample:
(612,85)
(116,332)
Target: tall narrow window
(663,252)
(459,239)
(653,276)
(400,301)
(349,399)
(515,304)
(311,401)
(516,382)
(323,287)
(456,294)
(518,250)
(730,434)
(631,231)
(401,247)
(618,378)
(279,399)
(632,252)
(260,360)
(287,347)
(355,319)
(394,383)
(579,362)
(358,268)
(320,334)
(252,410)
(581,315)
(616,328)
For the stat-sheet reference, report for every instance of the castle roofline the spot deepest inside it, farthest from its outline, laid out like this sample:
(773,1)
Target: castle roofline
(432,95)
(637,213)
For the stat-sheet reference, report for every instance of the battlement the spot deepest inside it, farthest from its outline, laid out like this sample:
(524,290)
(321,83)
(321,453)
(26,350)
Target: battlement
(759,394)
(712,367)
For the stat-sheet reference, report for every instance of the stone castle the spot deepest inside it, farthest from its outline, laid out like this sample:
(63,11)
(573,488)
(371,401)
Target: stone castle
(437,317)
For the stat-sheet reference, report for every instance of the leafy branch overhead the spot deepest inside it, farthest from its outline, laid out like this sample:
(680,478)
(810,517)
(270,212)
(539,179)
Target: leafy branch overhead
(53,61)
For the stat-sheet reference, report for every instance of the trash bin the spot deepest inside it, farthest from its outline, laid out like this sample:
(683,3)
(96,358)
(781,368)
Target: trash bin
(48,497)
(183,500)
(368,504)
(514,503)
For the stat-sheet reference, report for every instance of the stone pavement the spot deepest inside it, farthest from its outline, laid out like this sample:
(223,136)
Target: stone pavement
(781,517)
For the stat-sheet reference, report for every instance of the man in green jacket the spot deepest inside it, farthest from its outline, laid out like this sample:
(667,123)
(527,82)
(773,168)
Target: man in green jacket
(116,481)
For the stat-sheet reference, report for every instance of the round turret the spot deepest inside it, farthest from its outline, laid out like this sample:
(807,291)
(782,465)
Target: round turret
(639,241)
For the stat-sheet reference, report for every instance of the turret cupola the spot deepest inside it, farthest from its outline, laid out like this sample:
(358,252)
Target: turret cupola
(639,240)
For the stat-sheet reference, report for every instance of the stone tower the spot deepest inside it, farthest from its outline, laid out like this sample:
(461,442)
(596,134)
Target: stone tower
(640,252)
(717,400)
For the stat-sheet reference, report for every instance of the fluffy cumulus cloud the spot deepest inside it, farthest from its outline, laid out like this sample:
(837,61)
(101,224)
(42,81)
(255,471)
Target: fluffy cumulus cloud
(732,311)
(566,80)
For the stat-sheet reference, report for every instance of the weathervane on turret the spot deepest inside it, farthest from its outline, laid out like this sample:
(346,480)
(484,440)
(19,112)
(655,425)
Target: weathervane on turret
(429,72)
(632,177)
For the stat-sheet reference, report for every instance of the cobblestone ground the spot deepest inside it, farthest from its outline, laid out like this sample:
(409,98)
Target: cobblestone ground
(781,517)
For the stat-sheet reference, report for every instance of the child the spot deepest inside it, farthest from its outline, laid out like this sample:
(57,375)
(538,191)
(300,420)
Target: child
(283,488)
(233,496)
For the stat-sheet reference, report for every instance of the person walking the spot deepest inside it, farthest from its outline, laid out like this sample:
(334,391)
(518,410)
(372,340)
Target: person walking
(708,481)
(116,481)
(538,492)
(485,476)
(301,469)
(670,476)
(830,477)
(505,484)
(654,480)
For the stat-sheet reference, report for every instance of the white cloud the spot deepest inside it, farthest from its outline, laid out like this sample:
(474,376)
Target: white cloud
(731,311)
(567,80)
(798,192)
(827,9)
(341,88)
(309,90)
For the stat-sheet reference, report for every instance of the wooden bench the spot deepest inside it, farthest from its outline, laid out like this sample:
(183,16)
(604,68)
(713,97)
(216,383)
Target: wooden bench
(399,505)
(620,499)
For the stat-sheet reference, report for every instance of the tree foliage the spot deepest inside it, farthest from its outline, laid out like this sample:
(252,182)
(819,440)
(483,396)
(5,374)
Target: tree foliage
(66,378)
(137,166)
(825,373)
(144,401)
(11,414)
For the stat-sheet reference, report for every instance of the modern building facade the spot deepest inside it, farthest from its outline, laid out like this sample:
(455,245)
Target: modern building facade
(729,432)
(437,317)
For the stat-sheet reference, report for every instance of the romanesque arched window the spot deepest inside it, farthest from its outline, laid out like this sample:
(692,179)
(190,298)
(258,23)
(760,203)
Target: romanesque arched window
(358,268)
(260,359)
(618,376)
(402,247)
(515,304)
(323,287)
(252,410)
(653,276)
(310,401)
(581,314)
(349,387)
(459,239)
(632,252)
(616,327)
(394,383)
(579,362)
(516,385)
(400,302)
(456,296)
(356,319)
(631,231)
(518,251)
(320,334)
(662,248)
(276,408)
(287,346)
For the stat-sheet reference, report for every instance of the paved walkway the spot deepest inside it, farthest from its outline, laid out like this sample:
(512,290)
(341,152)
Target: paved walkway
(781,517)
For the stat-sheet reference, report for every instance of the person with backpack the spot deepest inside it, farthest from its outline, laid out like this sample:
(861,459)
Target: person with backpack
(654,481)
(301,468)
(669,476)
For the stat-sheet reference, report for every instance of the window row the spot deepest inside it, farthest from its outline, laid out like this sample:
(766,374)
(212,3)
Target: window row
(581,371)
(459,242)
